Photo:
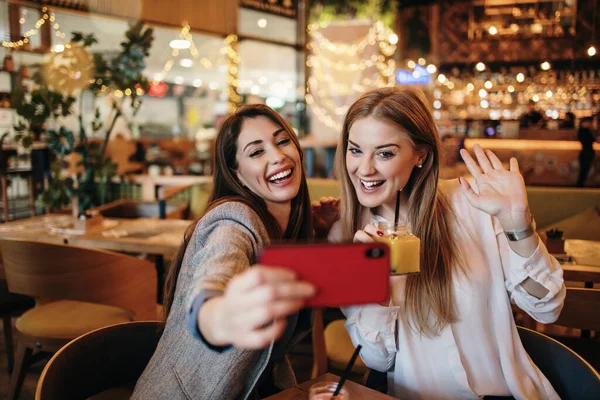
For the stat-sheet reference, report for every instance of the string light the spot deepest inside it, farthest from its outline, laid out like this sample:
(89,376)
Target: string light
(233,57)
(34,31)
(321,63)
(185,41)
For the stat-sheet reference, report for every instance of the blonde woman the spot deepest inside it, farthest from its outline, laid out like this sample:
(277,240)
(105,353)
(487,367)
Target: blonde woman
(448,332)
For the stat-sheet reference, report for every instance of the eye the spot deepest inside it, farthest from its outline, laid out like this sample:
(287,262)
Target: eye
(385,154)
(283,142)
(256,153)
(354,150)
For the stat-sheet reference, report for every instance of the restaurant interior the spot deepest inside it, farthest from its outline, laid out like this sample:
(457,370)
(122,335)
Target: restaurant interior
(109,111)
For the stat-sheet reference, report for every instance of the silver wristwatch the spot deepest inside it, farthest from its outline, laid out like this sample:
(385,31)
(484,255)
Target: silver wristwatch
(514,236)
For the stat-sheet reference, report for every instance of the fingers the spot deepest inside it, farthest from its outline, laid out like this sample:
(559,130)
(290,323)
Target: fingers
(484,163)
(329,200)
(468,191)
(259,339)
(269,293)
(257,317)
(470,163)
(514,165)
(372,230)
(258,275)
(496,163)
(362,237)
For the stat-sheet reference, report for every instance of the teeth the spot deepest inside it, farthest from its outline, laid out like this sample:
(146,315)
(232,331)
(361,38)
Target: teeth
(370,184)
(281,175)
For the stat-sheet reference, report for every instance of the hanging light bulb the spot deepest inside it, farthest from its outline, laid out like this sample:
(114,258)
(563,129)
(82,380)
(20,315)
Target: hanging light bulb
(591,51)
(480,67)
(520,77)
(545,65)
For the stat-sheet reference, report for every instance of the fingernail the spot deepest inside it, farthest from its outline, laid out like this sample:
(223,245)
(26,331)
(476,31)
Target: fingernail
(379,233)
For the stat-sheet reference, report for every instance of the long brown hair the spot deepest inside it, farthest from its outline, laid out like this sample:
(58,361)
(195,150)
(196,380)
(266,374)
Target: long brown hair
(429,210)
(226,187)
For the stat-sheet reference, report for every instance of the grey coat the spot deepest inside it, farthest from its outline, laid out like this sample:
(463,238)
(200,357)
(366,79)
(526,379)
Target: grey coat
(225,242)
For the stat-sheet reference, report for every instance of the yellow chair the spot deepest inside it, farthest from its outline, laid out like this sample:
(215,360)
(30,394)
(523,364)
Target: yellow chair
(77,290)
(332,347)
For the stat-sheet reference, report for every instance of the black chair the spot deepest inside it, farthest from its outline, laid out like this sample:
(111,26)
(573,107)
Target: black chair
(572,377)
(105,362)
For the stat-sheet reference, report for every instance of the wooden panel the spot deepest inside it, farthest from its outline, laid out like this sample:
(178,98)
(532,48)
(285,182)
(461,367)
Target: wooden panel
(581,310)
(215,16)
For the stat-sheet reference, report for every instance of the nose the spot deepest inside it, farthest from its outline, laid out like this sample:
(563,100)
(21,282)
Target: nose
(277,156)
(366,167)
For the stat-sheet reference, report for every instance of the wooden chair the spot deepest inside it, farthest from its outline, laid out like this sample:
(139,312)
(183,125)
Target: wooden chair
(105,362)
(582,311)
(332,347)
(77,290)
(11,305)
(180,151)
(120,150)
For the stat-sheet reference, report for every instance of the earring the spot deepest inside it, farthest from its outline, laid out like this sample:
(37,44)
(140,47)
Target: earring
(420,166)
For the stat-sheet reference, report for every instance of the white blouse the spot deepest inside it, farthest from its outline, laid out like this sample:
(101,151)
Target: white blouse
(481,354)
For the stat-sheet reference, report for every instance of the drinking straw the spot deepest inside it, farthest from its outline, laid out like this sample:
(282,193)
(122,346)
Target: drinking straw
(346,371)
(397,213)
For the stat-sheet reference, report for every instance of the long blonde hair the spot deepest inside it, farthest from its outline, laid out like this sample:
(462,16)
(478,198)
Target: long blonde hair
(429,210)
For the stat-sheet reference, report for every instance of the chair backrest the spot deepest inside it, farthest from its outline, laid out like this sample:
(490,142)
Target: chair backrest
(100,360)
(120,151)
(581,309)
(571,376)
(56,271)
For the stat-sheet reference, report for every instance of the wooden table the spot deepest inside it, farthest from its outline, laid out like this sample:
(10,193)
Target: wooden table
(356,391)
(586,261)
(140,235)
(149,183)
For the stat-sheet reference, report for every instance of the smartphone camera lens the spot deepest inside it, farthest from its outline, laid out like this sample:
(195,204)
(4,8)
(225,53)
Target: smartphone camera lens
(375,253)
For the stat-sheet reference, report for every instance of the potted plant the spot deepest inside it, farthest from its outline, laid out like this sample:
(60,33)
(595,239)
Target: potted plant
(57,85)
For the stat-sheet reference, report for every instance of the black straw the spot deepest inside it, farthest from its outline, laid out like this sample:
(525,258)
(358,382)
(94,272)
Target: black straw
(397,213)
(347,371)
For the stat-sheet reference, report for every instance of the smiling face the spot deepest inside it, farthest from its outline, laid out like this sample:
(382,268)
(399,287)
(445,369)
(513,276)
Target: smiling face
(268,162)
(380,158)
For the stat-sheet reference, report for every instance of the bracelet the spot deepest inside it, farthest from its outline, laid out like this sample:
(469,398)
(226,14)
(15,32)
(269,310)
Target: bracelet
(514,236)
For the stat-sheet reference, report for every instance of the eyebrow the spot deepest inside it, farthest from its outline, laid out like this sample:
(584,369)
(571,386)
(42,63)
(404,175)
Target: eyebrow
(377,147)
(277,132)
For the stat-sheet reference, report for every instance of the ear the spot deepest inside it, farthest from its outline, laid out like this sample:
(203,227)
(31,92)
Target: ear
(422,156)
(239,177)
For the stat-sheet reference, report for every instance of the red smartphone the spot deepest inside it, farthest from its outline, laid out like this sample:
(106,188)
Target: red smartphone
(344,274)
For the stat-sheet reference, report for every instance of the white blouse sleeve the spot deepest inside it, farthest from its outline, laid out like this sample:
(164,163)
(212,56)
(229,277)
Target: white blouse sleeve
(542,268)
(374,327)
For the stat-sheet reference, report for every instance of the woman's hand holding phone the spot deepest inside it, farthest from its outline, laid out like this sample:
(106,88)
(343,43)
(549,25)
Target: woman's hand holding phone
(252,312)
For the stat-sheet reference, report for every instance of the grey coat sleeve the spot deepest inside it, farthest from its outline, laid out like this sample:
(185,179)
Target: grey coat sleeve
(226,242)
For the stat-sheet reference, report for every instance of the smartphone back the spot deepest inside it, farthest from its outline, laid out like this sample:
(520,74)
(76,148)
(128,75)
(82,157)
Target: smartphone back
(344,274)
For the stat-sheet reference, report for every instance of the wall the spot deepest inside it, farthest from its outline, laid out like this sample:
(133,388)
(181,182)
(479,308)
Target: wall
(215,16)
